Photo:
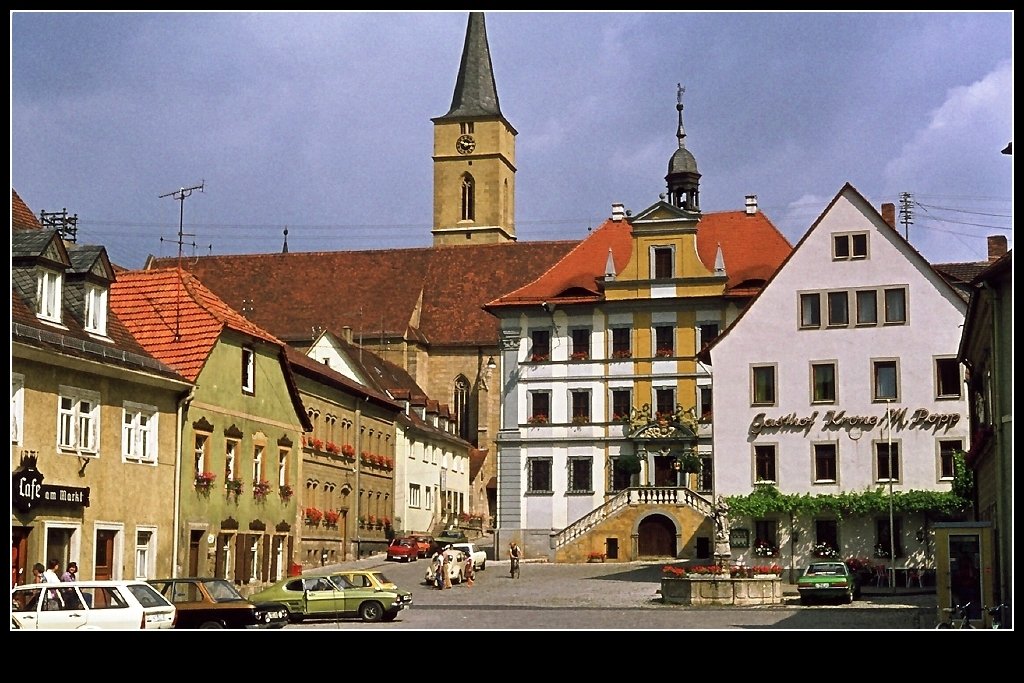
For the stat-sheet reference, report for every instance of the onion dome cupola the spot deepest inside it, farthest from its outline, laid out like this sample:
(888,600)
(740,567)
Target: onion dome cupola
(683,179)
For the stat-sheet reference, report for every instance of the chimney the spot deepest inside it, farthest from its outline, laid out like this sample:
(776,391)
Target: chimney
(889,214)
(618,211)
(996,247)
(751,204)
(346,333)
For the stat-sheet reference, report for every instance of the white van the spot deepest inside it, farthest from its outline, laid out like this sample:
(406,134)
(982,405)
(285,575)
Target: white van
(90,605)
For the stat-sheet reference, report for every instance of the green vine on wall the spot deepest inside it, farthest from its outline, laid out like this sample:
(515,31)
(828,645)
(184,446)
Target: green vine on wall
(963,477)
(767,499)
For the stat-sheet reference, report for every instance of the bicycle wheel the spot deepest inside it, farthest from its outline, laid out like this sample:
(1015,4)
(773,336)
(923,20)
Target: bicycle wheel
(944,625)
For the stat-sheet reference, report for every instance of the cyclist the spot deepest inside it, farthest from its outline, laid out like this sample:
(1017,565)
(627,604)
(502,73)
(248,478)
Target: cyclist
(514,555)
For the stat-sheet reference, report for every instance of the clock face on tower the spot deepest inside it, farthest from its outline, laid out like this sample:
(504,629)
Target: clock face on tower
(465,144)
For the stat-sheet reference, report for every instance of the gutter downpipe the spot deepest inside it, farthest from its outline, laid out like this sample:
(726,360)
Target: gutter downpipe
(182,405)
(359,466)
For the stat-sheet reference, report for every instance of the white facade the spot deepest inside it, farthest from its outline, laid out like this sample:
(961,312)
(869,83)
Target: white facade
(800,401)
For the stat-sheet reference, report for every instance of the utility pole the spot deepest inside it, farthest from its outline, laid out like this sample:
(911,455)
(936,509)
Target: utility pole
(180,195)
(906,213)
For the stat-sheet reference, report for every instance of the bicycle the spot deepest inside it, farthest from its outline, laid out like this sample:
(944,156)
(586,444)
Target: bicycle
(963,623)
(998,614)
(513,570)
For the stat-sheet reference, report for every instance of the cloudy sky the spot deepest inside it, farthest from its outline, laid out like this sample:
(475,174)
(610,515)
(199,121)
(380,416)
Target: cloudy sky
(321,122)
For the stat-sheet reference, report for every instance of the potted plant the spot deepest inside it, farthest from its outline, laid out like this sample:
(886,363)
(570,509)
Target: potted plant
(580,419)
(234,486)
(204,480)
(286,492)
(580,355)
(663,352)
(260,489)
(348,450)
(622,354)
(538,357)
(313,515)
(824,550)
(595,556)
(538,419)
(764,549)
(333,448)
(331,517)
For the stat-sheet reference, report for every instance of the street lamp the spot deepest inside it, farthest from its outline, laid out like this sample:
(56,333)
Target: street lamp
(892,534)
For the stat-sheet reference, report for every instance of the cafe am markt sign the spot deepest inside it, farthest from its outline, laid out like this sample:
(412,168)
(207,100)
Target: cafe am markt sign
(922,418)
(29,491)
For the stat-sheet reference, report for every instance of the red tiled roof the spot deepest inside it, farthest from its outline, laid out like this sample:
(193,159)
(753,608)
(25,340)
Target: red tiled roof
(752,247)
(159,305)
(22,217)
(434,293)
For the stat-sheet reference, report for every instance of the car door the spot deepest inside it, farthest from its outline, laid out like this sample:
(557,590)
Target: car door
(62,609)
(322,597)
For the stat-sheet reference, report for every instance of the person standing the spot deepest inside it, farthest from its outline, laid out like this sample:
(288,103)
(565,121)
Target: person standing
(37,573)
(438,571)
(446,569)
(71,573)
(469,571)
(51,574)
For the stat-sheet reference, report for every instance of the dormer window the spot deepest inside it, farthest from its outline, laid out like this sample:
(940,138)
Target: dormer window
(48,295)
(96,310)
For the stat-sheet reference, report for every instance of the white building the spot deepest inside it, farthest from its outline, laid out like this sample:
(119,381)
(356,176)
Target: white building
(854,326)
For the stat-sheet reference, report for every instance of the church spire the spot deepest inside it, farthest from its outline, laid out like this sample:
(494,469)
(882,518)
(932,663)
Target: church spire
(475,92)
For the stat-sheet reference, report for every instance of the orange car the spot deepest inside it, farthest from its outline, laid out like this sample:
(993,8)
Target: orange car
(423,544)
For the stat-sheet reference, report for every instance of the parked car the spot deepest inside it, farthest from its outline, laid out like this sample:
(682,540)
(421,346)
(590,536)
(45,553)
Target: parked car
(216,603)
(90,605)
(827,581)
(448,537)
(456,566)
(328,596)
(368,578)
(424,543)
(478,555)
(403,549)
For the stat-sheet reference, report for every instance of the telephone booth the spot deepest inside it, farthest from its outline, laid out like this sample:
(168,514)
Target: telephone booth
(964,573)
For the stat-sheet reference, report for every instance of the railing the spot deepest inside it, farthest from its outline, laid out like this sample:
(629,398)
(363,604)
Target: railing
(644,495)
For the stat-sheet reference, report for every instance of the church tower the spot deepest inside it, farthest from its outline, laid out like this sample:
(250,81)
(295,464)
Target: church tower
(474,154)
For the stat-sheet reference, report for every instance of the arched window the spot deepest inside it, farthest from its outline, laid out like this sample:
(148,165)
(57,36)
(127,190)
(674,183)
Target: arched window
(460,399)
(468,198)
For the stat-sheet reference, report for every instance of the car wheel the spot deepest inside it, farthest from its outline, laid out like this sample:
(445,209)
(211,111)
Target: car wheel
(371,611)
(211,624)
(849,598)
(483,565)
(391,616)
(295,617)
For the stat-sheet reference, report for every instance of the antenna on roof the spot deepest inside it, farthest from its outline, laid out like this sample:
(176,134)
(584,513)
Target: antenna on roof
(180,195)
(906,213)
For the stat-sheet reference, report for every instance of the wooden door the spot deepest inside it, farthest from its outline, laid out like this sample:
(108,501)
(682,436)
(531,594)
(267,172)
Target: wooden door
(19,552)
(656,537)
(104,561)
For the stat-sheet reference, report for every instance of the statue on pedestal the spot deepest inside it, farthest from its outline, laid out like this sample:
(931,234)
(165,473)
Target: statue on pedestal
(721,512)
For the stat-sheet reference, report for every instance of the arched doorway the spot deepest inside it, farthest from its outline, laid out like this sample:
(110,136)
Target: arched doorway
(656,537)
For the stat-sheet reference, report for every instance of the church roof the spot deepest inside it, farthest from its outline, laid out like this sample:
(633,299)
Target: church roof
(433,294)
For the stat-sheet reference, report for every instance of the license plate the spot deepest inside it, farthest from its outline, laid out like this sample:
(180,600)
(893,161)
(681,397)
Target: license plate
(822,585)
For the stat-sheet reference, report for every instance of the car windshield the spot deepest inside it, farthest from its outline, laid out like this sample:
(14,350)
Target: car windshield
(223,591)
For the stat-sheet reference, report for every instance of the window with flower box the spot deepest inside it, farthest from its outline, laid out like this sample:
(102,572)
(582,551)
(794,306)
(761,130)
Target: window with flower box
(665,401)
(622,404)
(580,337)
(540,347)
(826,538)
(257,462)
(708,332)
(579,399)
(664,341)
(199,447)
(230,450)
(766,542)
(538,476)
(539,408)
(621,346)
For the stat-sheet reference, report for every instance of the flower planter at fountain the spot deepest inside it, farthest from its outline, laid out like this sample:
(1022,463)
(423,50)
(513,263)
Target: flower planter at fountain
(718,586)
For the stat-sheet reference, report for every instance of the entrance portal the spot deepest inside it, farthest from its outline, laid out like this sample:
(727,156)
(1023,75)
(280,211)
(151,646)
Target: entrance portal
(656,537)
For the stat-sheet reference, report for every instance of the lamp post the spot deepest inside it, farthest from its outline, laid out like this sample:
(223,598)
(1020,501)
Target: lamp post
(892,534)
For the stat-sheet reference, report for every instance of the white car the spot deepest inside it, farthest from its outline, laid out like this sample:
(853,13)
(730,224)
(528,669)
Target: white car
(456,567)
(90,605)
(479,556)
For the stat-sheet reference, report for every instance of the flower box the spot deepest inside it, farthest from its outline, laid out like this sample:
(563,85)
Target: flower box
(234,486)
(824,550)
(664,352)
(331,517)
(537,420)
(595,556)
(260,489)
(286,492)
(318,444)
(348,450)
(539,357)
(333,448)
(580,419)
(580,355)
(622,354)
(204,480)
(313,515)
